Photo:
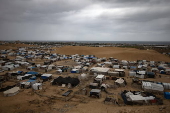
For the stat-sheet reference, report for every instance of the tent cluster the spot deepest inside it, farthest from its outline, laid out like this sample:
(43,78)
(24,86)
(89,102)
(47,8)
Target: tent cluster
(105,69)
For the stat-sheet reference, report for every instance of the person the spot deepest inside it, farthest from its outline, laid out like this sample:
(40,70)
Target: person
(159,76)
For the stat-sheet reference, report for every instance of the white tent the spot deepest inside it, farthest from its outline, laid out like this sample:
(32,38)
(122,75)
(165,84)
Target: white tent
(132,73)
(100,70)
(152,86)
(37,86)
(120,81)
(116,66)
(83,76)
(166,85)
(11,92)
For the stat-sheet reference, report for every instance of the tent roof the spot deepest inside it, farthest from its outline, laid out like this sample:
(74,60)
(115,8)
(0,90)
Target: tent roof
(100,69)
(12,90)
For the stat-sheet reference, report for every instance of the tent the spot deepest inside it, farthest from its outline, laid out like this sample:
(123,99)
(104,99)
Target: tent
(166,85)
(60,80)
(167,95)
(83,76)
(151,74)
(152,86)
(132,73)
(11,92)
(100,78)
(100,70)
(37,86)
(33,78)
(32,72)
(75,71)
(95,92)
(46,76)
(93,85)
(120,81)
(116,66)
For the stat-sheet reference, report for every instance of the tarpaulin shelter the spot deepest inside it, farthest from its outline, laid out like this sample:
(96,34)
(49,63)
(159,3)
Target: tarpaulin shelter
(11,92)
(60,80)
(167,95)
(32,72)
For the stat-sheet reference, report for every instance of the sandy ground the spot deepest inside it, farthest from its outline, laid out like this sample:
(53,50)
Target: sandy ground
(49,100)
(130,54)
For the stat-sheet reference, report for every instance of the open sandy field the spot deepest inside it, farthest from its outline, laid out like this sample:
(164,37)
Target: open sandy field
(130,54)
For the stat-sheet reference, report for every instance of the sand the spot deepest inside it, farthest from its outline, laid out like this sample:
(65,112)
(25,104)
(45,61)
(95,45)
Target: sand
(130,54)
(51,101)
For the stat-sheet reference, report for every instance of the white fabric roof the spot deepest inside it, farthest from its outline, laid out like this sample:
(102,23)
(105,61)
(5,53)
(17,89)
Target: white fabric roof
(100,69)
(120,81)
(12,90)
(47,75)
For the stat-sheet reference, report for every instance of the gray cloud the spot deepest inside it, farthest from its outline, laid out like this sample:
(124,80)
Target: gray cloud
(145,20)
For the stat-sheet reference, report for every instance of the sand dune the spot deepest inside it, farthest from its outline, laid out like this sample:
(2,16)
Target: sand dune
(129,54)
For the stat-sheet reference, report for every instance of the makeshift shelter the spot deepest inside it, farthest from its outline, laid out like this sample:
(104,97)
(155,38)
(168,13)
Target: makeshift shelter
(99,70)
(93,85)
(167,95)
(150,74)
(32,73)
(112,73)
(120,82)
(11,92)
(133,67)
(8,67)
(154,70)
(116,66)
(100,78)
(124,62)
(75,71)
(59,70)
(37,86)
(167,70)
(162,72)
(46,77)
(149,86)
(82,76)
(95,92)
(132,73)
(166,85)
(121,72)
(60,80)
(33,78)
(25,85)
(140,74)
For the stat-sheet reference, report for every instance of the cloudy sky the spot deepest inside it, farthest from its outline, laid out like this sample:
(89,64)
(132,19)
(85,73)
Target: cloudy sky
(89,20)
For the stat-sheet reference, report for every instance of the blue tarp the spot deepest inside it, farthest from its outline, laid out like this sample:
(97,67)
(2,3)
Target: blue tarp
(160,68)
(31,81)
(33,78)
(132,67)
(73,72)
(162,72)
(44,77)
(32,72)
(167,95)
(4,52)
(90,57)
(19,72)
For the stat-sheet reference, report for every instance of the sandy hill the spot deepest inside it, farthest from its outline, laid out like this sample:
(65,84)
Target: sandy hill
(129,54)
